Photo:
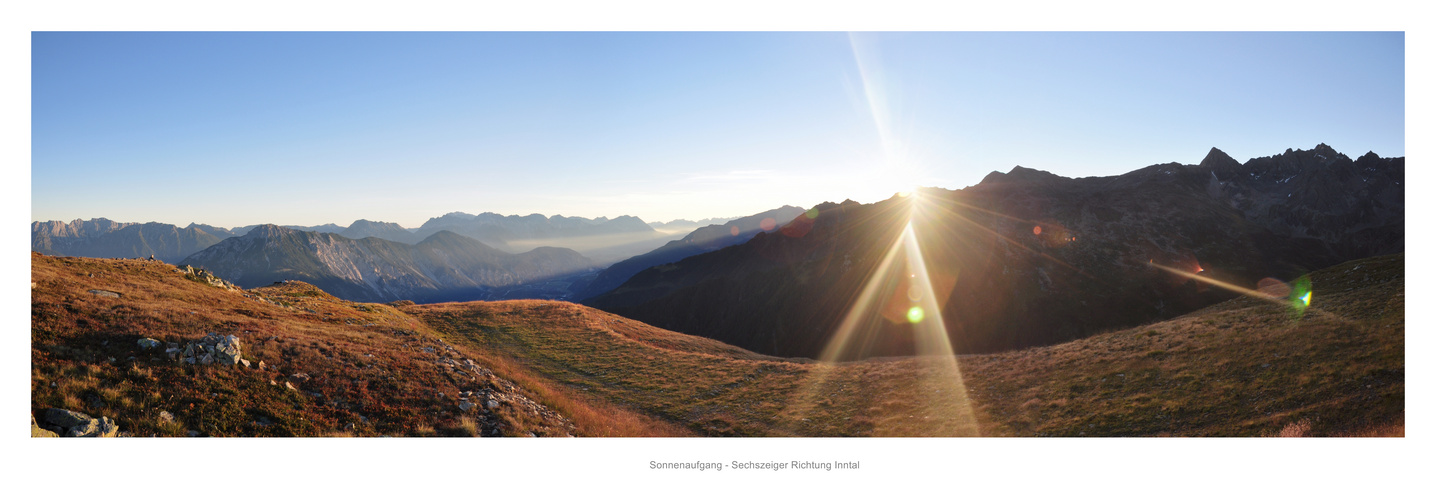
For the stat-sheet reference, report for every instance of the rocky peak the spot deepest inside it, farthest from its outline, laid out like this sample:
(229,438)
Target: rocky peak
(268,231)
(1218,160)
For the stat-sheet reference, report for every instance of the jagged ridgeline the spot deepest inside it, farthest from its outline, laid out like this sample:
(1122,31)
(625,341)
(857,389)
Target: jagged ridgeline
(1030,258)
(106,238)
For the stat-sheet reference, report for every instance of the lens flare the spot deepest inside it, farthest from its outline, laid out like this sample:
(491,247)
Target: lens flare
(914,315)
(1301,294)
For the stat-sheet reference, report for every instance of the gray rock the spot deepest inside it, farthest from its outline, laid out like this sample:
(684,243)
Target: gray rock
(106,293)
(206,359)
(166,417)
(66,418)
(465,406)
(87,429)
(148,343)
(491,404)
(244,363)
(108,428)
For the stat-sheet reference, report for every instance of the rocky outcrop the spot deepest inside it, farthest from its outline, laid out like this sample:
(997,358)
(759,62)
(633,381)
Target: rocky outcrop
(212,349)
(206,277)
(61,422)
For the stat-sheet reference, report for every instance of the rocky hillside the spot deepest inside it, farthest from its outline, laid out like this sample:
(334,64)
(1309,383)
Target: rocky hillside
(1029,258)
(701,240)
(444,266)
(162,353)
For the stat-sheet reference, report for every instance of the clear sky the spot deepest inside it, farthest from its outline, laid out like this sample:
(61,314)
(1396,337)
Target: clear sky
(234,129)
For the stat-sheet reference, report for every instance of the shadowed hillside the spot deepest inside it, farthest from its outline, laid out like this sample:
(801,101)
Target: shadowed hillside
(1029,258)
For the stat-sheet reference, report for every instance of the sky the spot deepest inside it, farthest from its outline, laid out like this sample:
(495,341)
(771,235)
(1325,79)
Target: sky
(232,129)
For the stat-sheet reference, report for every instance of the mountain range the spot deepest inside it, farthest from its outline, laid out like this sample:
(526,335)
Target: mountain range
(444,266)
(1029,258)
(106,238)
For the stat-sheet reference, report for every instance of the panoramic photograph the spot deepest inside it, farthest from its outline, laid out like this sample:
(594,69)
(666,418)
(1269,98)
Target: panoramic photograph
(817,234)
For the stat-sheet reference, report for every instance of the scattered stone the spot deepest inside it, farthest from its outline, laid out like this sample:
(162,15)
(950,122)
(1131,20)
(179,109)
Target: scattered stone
(299,377)
(491,404)
(193,433)
(244,363)
(106,293)
(349,426)
(289,386)
(465,406)
(166,417)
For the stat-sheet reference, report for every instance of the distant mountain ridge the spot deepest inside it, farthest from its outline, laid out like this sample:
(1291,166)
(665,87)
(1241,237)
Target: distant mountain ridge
(444,266)
(688,225)
(1028,258)
(607,239)
(512,231)
(702,240)
(106,238)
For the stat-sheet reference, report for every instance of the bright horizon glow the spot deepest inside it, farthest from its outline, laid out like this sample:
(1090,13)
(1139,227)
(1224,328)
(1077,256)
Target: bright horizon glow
(234,129)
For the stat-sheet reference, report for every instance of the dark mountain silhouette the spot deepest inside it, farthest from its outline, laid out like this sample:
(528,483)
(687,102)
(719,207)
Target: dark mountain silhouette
(702,240)
(444,266)
(106,238)
(1030,258)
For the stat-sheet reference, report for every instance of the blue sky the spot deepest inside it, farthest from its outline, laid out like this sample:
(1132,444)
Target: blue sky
(308,128)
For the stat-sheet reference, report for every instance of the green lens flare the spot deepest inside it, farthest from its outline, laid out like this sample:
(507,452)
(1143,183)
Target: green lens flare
(1300,295)
(914,315)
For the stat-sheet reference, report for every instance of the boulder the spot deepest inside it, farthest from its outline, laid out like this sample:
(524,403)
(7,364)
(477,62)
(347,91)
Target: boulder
(148,343)
(66,418)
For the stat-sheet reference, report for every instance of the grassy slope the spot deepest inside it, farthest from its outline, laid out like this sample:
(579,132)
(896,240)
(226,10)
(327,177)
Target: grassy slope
(1244,367)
